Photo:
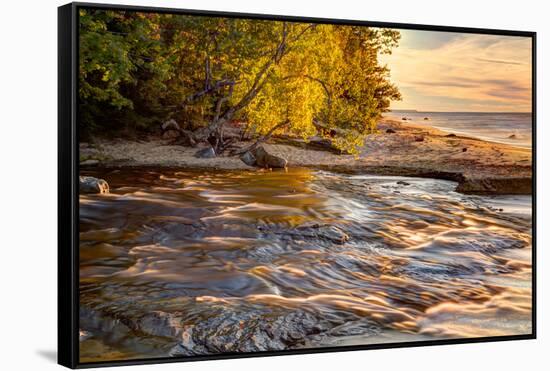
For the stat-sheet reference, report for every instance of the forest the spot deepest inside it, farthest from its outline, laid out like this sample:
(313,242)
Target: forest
(138,70)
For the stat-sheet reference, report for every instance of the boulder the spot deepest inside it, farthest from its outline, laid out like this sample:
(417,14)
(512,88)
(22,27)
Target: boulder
(390,131)
(419,139)
(207,152)
(88,184)
(268,160)
(248,158)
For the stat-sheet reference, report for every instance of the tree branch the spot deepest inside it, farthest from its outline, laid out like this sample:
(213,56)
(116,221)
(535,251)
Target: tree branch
(261,77)
(264,138)
(212,89)
(323,84)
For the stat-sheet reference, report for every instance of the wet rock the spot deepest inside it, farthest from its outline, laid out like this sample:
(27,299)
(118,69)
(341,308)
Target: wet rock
(426,118)
(404,118)
(450,135)
(90,162)
(512,136)
(464,149)
(248,158)
(207,152)
(268,160)
(502,186)
(93,322)
(326,232)
(419,139)
(160,324)
(401,182)
(246,331)
(390,131)
(354,328)
(88,184)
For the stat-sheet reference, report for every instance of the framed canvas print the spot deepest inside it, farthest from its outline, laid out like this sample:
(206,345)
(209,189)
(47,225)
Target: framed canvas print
(236,185)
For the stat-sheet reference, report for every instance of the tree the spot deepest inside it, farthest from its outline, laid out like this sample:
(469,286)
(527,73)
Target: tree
(208,71)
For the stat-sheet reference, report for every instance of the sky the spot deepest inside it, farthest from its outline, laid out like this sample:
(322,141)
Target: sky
(453,72)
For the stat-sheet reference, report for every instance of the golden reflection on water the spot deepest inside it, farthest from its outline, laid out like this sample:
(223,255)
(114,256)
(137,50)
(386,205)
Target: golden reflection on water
(419,262)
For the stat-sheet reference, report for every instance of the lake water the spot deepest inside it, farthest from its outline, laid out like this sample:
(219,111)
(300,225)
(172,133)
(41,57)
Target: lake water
(177,262)
(509,128)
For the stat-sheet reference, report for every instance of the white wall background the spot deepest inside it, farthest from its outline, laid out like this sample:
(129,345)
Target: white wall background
(28,152)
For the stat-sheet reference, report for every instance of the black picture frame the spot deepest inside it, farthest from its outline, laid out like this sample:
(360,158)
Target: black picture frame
(68,170)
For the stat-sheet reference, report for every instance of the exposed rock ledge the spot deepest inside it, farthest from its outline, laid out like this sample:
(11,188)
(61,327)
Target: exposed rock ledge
(478,166)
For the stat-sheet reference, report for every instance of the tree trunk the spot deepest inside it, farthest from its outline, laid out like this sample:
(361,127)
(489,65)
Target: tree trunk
(264,138)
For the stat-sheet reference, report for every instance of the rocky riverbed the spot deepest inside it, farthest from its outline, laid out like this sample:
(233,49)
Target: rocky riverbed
(179,262)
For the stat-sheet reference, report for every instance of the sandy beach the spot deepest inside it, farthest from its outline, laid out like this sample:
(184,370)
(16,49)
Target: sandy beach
(399,148)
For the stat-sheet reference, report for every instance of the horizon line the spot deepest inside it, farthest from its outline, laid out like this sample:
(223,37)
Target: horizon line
(419,111)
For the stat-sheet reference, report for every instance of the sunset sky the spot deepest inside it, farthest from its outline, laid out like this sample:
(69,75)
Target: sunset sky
(444,71)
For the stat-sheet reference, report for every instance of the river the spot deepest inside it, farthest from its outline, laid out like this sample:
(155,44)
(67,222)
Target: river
(183,262)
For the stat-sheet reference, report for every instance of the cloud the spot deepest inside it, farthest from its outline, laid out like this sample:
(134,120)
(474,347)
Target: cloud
(498,61)
(455,84)
(472,72)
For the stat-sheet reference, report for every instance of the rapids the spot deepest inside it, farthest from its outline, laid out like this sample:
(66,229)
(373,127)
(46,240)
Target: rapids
(183,262)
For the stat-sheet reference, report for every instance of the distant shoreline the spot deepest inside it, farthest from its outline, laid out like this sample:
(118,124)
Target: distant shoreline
(399,148)
(519,135)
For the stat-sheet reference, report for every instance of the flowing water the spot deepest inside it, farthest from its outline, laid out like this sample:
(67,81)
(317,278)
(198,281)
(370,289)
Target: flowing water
(179,262)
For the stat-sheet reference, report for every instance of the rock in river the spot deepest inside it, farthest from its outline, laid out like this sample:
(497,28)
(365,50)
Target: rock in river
(237,331)
(326,232)
(90,184)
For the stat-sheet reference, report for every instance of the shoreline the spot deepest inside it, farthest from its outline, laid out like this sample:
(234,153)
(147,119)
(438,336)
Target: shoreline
(398,149)
(512,136)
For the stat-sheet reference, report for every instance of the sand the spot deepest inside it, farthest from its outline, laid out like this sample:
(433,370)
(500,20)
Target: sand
(412,150)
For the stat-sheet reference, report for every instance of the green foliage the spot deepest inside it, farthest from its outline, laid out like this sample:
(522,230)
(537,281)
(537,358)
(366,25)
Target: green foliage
(138,69)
